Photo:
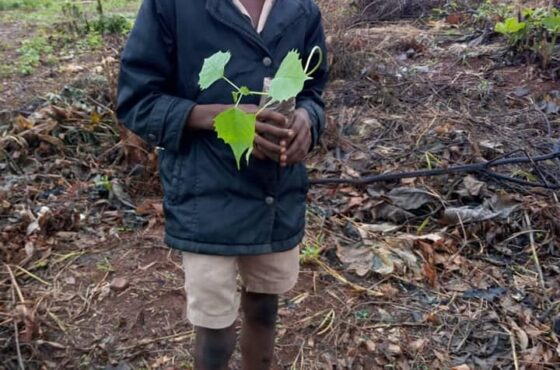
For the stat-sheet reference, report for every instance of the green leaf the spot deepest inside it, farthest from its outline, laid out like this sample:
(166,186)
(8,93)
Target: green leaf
(511,25)
(289,79)
(245,90)
(552,24)
(235,96)
(527,12)
(213,69)
(237,129)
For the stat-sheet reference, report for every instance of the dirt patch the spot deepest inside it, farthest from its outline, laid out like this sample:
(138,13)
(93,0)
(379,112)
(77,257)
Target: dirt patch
(25,93)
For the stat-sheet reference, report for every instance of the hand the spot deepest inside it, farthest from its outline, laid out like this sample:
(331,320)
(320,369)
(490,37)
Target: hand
(299,145)
(202,115)
(272,136)
(272,133)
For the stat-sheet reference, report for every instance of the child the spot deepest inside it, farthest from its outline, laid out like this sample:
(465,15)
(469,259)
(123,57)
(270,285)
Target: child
(226,220)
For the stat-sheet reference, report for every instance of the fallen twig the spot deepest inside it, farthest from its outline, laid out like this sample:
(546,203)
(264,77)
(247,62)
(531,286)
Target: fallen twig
(467,168)
(534,250)
(513,351)
(187,334)
(30,274)
(16,331)
(15,284)
(343,280)
(18,349)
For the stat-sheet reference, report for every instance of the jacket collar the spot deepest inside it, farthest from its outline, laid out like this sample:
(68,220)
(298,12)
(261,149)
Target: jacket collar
(284,13)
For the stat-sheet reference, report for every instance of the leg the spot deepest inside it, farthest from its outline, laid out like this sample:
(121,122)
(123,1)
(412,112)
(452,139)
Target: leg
(258,331)
(212,306)
(264,278)
(213,348)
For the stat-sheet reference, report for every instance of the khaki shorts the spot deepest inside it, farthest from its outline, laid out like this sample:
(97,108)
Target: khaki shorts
(211,283)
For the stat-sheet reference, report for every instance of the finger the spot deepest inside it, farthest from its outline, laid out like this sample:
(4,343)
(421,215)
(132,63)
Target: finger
(278,119)
(267,154)
(297,142)
(297,126)
(257,153)
(298,149)
(263,154)
(248,108)
(268,145)
(280,133)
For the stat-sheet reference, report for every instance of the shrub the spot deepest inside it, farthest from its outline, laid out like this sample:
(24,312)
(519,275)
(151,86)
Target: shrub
(537,33)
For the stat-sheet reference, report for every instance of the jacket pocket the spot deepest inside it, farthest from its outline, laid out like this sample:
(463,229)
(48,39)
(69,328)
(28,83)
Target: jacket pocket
(171,174)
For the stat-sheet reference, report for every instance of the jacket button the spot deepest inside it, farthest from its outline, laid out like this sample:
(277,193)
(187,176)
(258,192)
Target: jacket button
(267,61)
(151,137)
(269,200)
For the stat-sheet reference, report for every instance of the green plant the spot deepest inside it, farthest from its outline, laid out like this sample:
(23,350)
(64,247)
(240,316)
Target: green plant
(511,28)
(76,17)
(104,183)
(484,88)
(237,127)
(113,24)
(490,11)
(309,253)
(105,265)
(537,33)
(30,54)
(94,40)
(79,24)
(6,70)
(552,23)
(24,4)
(362,315)
(545,47)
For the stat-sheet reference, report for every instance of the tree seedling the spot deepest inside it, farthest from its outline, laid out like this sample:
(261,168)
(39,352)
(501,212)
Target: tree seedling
(237,127)
(537,33)
(512,29)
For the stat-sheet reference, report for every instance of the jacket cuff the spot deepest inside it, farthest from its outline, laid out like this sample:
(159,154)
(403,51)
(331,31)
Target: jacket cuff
(167,122)
(317,116)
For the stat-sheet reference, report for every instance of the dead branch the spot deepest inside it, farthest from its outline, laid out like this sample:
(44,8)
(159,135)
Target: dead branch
(482,167)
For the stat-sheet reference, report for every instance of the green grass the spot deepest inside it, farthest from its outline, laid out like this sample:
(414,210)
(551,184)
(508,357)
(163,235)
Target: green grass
(6,70)
(24,4)
(31,52)
(59,32)
(94,40)
(48,12)
(112,24)
(311,249)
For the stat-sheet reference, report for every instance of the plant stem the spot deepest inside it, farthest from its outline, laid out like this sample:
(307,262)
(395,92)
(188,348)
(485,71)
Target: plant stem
(258,93)
(232,84)
(268,104)
(100,9)
(310,57)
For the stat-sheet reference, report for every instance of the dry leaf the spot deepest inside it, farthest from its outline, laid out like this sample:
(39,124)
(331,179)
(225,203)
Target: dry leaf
(461,367)
(418,344)
(119,284)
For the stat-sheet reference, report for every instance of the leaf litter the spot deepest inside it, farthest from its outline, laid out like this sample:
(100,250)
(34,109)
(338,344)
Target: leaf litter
(457,271)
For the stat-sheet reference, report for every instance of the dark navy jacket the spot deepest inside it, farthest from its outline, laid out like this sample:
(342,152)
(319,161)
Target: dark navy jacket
(210,206)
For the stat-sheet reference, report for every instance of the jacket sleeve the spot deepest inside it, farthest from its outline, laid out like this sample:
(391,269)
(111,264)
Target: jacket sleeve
(145,101)
(311,96)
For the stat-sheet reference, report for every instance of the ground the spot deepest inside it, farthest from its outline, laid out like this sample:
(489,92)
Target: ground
(456,271)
